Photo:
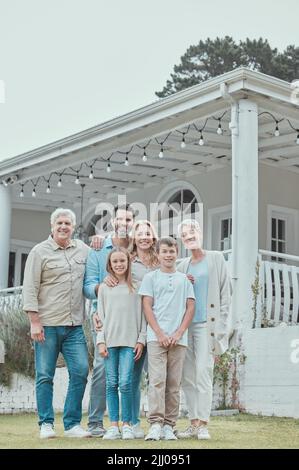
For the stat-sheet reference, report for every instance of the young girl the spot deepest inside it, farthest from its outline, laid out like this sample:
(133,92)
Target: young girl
(121,340)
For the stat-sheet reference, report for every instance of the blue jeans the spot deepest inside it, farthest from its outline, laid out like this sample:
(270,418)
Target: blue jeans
(70,341)
(136,393)
(97,399)
(119,374)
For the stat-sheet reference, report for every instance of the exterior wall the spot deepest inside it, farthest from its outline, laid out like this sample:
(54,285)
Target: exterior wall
(20,396)
(32,226)
(276,187)
(271,375)
(280,188)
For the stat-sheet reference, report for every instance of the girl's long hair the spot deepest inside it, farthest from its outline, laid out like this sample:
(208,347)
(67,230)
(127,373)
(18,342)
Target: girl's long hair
(153,257)
(128,275)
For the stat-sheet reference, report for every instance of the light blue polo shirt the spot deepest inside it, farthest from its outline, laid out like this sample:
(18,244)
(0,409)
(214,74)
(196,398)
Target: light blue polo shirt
(170,292)
(95,271)
(200,272)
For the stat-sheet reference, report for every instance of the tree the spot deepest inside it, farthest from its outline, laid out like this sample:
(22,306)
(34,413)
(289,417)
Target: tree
(211,58)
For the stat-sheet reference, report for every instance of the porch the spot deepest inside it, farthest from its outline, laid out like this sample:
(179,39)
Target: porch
(229,144)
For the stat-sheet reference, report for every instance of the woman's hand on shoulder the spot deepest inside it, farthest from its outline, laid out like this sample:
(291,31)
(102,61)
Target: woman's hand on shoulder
(97,242)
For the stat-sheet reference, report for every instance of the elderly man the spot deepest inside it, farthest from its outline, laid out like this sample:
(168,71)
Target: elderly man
(53,299)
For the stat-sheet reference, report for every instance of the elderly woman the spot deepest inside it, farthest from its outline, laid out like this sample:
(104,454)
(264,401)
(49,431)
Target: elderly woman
(208,334)
(53,299)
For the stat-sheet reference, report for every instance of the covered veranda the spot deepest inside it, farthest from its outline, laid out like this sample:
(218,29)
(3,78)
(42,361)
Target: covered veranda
(240,121)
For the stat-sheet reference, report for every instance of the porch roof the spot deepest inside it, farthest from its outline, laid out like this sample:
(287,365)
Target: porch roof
(171,118)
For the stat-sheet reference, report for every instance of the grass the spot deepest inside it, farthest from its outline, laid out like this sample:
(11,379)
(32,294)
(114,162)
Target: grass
(242,431)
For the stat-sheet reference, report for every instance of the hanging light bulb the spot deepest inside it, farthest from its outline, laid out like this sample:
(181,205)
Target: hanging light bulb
(48,190)
(144,158)
(77,180)
(297,141)
(22,192)
(201,141)
(108,169)
(219,130)
(161,153)
(59,184)
(183,143)
(127,161)
(33,193)
(91,175)
(276,132)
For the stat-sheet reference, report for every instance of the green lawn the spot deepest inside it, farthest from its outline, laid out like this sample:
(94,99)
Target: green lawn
(236,432)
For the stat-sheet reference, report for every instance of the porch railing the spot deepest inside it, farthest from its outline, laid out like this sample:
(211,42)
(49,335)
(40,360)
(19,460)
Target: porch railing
(10,299)
(279,289)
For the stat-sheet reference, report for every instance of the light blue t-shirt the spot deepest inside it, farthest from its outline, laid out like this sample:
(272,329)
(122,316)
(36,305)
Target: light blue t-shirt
(200,272)
(170,292)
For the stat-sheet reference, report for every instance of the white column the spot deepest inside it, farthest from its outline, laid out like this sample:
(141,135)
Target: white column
(5,224)
(244,207)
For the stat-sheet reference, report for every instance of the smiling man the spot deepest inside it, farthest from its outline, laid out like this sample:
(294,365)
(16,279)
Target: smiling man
(53,300)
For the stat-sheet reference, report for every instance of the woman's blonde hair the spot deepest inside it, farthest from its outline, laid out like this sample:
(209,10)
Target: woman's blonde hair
(128,275)
(153,258)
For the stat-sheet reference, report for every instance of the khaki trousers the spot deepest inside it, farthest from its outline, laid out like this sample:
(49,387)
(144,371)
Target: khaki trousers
(165,367)
(197,380)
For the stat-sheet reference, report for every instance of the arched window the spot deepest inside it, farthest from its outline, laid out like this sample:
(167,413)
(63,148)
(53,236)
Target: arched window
(178,202)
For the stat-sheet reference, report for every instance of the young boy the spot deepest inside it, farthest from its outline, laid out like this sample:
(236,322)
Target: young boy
(168,304)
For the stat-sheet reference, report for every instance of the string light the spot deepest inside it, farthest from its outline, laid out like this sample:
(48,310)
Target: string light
(201,142)
(219,130)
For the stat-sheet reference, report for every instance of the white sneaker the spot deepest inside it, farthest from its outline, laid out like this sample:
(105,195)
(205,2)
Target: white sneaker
(191,431)
(47,431)
(154,433)
(203,432)
(112,433)
(77,431)
(138,431)
(168,434)
(127,432)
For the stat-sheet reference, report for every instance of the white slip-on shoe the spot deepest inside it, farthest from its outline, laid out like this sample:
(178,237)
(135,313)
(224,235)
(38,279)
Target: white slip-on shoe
(138,431)
(47,431)
(203,432)
(154,433)
(168,434)
(112,433)
(77,431)
(127,432)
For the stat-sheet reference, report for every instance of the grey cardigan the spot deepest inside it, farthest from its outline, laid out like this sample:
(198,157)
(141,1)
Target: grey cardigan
(219,297)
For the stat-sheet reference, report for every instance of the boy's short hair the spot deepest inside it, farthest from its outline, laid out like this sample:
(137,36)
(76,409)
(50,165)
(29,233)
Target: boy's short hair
(169,241)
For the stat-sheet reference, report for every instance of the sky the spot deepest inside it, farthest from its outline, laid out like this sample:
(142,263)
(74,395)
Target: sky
(70,64)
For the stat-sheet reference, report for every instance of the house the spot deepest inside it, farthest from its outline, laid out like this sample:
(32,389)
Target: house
(228,149)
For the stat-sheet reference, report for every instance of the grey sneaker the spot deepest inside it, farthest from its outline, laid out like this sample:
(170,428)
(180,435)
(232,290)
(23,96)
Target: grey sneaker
(190,432)
(138,431)
(154,433)
(97,430)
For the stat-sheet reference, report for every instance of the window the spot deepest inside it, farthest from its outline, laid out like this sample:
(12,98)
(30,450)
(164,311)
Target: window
(11,269)
(225,234)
